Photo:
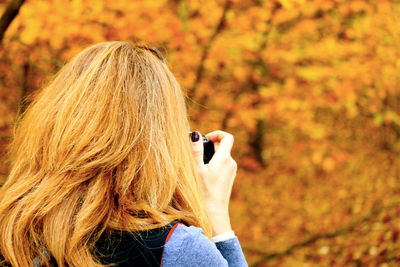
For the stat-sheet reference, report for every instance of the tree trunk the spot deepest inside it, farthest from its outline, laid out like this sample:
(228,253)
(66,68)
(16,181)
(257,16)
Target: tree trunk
(8,16)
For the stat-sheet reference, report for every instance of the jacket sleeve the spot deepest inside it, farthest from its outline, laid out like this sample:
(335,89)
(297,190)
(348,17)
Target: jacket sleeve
(188,246)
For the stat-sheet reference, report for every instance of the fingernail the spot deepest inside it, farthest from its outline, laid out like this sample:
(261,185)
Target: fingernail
(195,136)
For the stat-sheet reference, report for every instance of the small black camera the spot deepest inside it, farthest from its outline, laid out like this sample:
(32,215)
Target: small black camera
(209,149)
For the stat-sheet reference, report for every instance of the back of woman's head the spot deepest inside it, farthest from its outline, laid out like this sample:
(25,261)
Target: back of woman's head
(104,145)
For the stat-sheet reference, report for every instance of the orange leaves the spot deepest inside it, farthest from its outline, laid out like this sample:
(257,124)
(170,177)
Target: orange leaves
(391,116)
(284,15)
(328,164)
(240,73)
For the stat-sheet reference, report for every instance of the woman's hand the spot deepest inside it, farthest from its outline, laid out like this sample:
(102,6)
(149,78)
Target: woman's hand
(216,177)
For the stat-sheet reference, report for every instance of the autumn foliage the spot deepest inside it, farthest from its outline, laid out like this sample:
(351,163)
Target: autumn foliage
(309,88)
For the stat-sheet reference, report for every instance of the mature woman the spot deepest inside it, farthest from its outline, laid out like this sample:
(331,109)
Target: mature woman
(103,172)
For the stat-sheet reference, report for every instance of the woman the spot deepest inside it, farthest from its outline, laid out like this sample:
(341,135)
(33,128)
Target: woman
(103,153)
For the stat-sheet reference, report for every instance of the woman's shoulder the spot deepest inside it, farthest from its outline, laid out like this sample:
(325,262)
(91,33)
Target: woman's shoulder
(183,233)
(188,246)
(187,231)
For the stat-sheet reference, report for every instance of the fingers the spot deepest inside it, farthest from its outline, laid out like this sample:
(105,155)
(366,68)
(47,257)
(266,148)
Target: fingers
(223,142)
(196,141)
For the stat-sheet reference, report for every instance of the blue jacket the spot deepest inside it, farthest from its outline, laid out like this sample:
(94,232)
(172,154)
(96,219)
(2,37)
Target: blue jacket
(188,246)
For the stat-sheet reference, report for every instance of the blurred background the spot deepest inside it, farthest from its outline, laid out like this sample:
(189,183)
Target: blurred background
(309,88)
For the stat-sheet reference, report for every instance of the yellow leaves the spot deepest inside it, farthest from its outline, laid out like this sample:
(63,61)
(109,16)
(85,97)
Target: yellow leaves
(183,14)
(294,104)
(257,231)
(391,116)
(362,26)
(359,5)
(328,164)
(76,8)
(269,92)
(41,7)
(290,4)
(306,26)
(352,110)
(286,4)
(357,207)
(240,73)
(98,6)
(31,31)
(385,7)
(324,250)
(258,16)
(247,118)
(188,79)
(342,193)
(285,15)
(378,119)
(373,250)
(57,42)
(314,73)
(316,157)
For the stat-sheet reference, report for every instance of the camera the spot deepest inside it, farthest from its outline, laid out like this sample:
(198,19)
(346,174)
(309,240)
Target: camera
(209,149)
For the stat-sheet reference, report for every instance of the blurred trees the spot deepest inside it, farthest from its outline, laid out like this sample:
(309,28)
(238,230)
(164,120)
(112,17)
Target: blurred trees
(309,88)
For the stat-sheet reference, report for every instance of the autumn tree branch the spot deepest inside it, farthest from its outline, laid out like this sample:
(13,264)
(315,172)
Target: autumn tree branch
(8,16)
(250,83)
(338,232)
(257,141)
(206,50)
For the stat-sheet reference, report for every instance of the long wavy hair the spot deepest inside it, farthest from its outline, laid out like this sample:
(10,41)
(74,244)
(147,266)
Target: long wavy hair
(103,146)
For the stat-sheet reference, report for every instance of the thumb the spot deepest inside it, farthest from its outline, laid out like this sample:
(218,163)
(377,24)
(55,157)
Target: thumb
(197,148)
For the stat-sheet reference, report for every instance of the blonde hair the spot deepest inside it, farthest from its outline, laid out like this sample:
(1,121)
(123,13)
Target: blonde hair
(104,145)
